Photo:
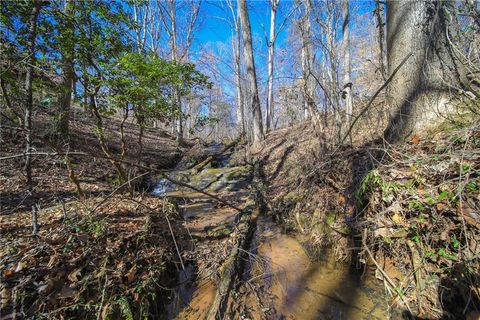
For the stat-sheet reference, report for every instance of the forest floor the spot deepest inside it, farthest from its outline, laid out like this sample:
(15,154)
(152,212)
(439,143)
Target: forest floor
(106,248)
(407,214)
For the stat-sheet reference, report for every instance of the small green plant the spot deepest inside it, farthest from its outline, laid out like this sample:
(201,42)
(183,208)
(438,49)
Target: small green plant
(430,200)
(414,233)
(387,240)
(422,218)
(472,186)
(371,180)
(454,242)
(69,244)
(124,306)
(445,195)
(87,224)
(443,253)
(430,254)
(330,218)
(416,205)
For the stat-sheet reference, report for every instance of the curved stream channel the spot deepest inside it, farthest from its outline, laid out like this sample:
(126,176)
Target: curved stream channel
(281,282)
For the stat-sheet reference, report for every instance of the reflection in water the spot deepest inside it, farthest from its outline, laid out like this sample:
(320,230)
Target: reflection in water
(294,287)
(302,289)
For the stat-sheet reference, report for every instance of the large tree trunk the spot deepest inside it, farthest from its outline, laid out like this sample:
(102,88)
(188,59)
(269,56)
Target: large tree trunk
(32,34)
(271,59)
(68,71)
(421,90)
(236,46)
(251,74)
(347,62)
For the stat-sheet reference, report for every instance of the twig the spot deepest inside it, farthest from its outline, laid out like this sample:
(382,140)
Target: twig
(50,154)
(34,219)
(116,189)
(379,268)
(103,297)
(173,235)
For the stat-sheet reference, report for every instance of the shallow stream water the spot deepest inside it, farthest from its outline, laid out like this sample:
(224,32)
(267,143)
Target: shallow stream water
(282,282)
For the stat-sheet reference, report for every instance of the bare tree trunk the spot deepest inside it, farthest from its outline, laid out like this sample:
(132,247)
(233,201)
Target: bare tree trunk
(423,89)
(271,59)
(379,8)
(305,71)
(333,68)
(177,98)
(347,62)
(140,24)
(236,45)
(32,34)
(251,74)
(67,70)
(238,77)
(308,86)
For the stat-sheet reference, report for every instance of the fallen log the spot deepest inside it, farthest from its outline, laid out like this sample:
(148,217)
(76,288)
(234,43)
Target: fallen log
(231,268)
(198,167)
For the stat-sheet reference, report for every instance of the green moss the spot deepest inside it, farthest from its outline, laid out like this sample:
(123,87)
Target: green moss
(293,196)
(330,220)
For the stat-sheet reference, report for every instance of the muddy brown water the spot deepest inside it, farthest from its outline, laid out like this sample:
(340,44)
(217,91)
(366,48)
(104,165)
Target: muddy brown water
(282,282)
(304,289)
(292,286)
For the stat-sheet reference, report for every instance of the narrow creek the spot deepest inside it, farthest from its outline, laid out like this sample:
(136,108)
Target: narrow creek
(281,281)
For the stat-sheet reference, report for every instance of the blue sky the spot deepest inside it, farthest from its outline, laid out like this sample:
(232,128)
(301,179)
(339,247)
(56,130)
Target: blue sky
(214,29)
(214,35)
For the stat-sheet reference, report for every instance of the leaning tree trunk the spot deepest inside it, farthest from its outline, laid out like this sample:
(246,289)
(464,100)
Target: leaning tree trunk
(32,34)
(421,91)
(251,74)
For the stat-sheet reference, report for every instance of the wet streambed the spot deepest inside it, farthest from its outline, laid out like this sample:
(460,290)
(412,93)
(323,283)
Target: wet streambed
(282,281)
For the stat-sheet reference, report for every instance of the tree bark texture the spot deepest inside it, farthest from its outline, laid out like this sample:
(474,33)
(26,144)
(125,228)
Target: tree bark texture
(32,34)
(421,92)
(271,59)
(251,74)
